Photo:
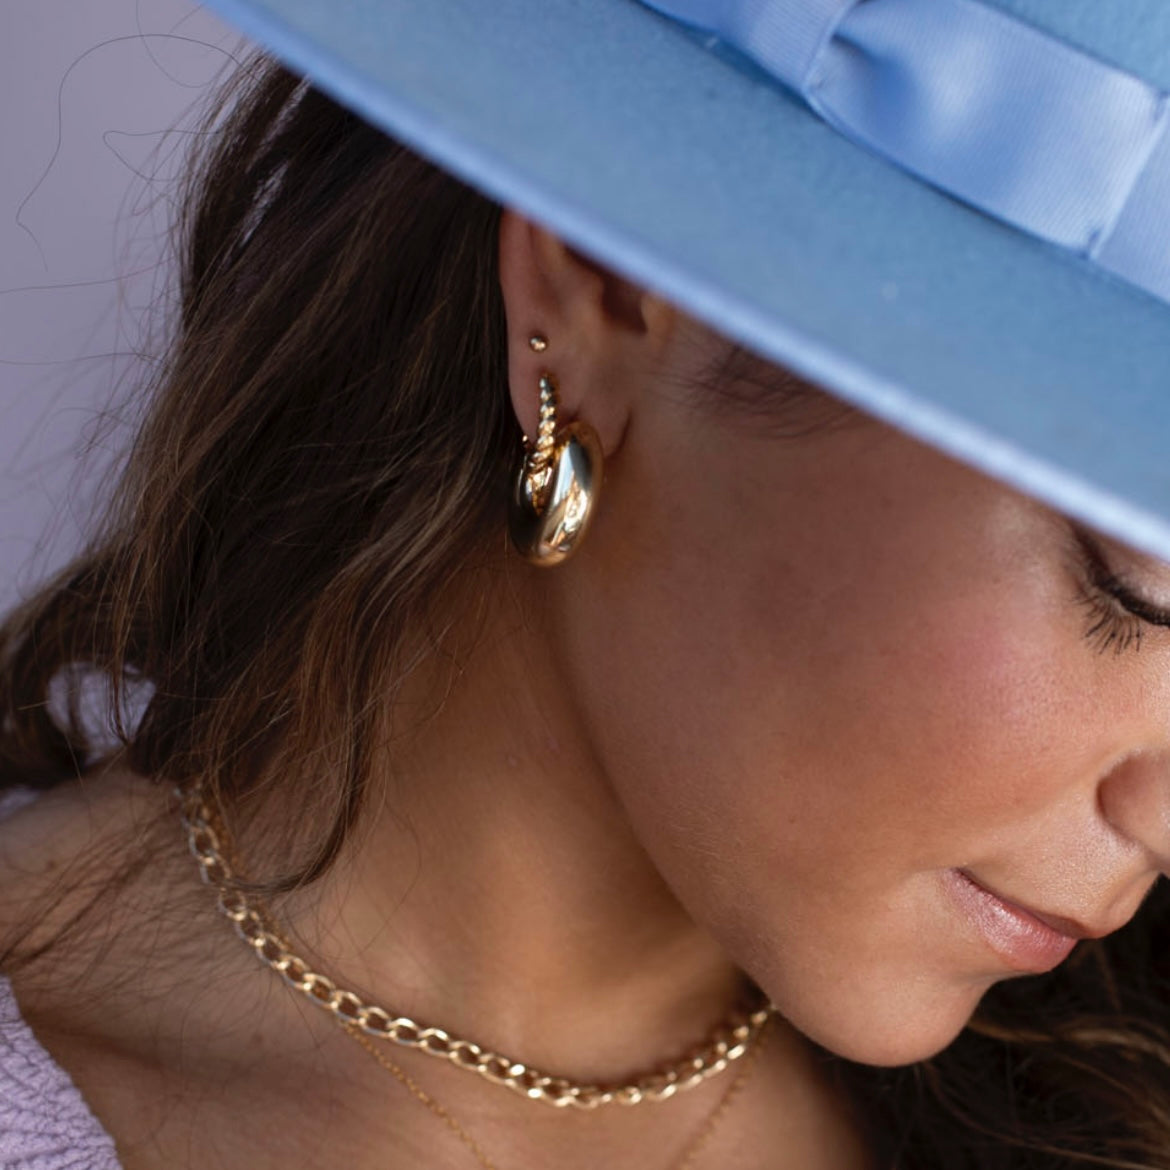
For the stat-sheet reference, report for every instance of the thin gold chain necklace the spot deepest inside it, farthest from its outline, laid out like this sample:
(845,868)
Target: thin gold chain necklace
(685,1160)
(209,844)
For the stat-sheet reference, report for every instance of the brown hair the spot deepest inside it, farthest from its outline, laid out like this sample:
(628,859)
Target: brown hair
(325,453)
(325,445)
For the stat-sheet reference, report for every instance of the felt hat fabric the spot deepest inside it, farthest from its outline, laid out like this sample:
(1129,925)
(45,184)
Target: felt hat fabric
(954,214)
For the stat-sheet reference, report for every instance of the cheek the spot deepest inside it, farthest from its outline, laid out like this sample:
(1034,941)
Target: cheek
(801,811)
(858,704)
(805,734)
(953,714)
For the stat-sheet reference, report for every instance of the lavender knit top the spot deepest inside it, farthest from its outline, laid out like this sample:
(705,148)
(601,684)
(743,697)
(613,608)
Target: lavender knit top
(44,1123)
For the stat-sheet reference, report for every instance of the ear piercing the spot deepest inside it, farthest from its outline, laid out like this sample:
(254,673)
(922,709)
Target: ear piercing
(555,492)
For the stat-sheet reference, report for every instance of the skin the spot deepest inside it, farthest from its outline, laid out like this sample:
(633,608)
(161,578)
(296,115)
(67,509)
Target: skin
(786,687)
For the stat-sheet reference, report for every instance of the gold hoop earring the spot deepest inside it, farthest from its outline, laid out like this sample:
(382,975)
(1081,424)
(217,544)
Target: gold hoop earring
(555,494)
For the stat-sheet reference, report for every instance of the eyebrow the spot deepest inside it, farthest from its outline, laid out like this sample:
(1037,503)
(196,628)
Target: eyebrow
(1107,580)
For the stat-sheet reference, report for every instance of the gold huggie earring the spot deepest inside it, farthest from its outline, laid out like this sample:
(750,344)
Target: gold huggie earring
(556,489)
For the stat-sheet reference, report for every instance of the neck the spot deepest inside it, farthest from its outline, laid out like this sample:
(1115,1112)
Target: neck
(494,889)
(497,891)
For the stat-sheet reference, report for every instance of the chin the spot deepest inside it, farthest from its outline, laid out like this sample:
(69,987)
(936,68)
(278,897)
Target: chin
(885,1035)
(892,1051)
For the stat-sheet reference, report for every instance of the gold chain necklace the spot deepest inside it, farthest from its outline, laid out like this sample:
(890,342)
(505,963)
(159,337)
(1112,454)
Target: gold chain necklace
(207,840)
(685,1160)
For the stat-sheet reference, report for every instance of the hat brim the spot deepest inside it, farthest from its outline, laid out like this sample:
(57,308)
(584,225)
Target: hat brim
(725,194)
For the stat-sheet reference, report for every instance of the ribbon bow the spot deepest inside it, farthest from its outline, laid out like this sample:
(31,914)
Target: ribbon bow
(993,111)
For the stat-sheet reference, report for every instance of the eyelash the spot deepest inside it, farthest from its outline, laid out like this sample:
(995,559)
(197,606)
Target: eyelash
(1118,616)
(1110,626)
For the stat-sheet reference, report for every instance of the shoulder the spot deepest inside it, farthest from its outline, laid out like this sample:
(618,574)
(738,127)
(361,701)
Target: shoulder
(60,848)
(44,1119)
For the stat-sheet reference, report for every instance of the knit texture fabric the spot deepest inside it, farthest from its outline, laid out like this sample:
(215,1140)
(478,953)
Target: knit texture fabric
(44,1122)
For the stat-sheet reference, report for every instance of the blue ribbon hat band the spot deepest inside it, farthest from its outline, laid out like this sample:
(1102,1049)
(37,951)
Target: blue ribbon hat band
(981,105)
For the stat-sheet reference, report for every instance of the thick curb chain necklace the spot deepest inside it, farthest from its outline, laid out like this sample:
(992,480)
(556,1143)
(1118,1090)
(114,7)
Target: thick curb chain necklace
(686,1159)
(207,840)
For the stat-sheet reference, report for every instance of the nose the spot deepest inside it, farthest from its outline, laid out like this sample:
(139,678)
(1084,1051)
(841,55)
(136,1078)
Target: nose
(1135,800)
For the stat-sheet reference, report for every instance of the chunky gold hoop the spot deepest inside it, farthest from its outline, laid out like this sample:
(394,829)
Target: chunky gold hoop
(555,494)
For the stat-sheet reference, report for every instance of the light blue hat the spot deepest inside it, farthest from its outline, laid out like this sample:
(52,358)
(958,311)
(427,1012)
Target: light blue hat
(953,213)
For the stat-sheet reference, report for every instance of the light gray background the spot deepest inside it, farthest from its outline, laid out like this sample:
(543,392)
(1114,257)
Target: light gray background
(88,92)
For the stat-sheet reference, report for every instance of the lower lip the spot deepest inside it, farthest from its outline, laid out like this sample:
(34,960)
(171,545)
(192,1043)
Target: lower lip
(1020,939)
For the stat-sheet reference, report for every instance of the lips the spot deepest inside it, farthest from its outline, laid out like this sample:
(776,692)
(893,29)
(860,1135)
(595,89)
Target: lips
(1027,940)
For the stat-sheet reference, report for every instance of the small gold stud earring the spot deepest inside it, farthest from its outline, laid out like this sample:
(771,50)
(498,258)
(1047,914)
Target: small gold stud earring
(538,343)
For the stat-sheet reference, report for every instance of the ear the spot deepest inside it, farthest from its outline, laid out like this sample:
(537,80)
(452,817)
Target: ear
(604,333)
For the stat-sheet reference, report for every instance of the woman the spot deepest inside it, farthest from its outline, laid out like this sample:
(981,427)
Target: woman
(826,753)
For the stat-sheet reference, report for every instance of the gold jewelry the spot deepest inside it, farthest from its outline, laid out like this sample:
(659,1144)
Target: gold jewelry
(555,494)
(411,1085)
(538,342)
(208,841)
(686,1159)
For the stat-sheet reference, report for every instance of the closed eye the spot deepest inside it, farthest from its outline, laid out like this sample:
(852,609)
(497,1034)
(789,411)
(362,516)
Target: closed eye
(1105,579)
